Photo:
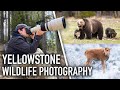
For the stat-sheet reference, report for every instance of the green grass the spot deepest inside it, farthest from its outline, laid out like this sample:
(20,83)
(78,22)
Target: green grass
(68,33)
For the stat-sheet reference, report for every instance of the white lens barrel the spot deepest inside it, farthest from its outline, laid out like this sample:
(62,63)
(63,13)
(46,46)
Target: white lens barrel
(53,25)
(34,29)
(56,24)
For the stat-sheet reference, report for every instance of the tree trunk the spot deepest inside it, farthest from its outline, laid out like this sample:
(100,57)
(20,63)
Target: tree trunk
(58,44)
(2,29)
(118,13)
(9,29)
(44,36)
(115,14)
(98,13)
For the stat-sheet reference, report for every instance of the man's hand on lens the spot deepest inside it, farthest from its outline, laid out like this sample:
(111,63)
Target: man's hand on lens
(40,32)
(32,36)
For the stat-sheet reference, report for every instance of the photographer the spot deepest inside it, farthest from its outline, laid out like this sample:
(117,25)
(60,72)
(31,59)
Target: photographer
(18,43)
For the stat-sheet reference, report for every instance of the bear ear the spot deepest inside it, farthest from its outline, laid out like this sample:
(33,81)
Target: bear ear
(84,19)
(114,30)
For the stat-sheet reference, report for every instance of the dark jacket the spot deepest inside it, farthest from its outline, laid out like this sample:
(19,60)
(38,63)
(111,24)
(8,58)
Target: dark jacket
(19,45)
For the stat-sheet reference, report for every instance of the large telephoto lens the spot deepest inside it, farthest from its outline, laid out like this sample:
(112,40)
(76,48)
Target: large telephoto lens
(53,25)
(56,24)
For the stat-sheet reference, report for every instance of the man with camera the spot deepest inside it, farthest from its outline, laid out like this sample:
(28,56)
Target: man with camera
(18,43)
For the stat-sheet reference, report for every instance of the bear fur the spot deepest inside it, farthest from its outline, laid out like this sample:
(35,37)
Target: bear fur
(110,33)
(101,54)
(78,34)
(92,28)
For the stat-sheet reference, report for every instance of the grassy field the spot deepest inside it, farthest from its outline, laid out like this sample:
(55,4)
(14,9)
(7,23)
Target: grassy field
(68,34)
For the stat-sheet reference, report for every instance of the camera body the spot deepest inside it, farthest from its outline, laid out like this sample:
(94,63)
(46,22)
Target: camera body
(53,25)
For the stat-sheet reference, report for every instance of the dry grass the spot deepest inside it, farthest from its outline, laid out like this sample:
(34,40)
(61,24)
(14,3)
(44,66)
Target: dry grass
(68,34)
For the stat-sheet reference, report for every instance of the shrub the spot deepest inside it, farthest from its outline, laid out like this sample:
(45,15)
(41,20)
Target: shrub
(85,14)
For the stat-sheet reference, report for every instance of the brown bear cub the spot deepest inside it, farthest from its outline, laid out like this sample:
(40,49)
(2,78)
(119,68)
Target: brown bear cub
(110,33)
(79,34)
(97,54)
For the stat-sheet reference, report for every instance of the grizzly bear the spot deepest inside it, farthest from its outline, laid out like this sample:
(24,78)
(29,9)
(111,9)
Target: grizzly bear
(78,34)
(92,28)
(101,54)
(110,33)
